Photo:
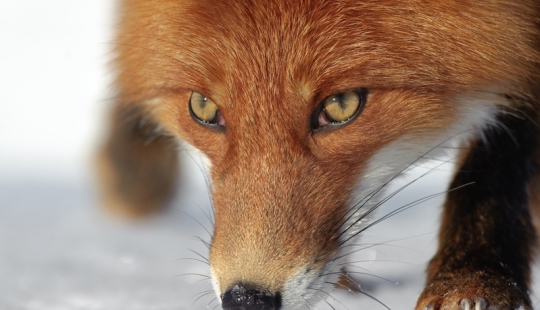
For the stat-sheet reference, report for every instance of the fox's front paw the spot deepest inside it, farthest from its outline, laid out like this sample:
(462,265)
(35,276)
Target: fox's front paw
(473,293)
(468,304)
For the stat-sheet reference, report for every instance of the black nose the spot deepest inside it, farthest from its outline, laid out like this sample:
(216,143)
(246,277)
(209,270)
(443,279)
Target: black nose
(241,297)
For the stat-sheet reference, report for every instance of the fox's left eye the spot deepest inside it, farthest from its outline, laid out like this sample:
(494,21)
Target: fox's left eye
(204,110)
(340,108)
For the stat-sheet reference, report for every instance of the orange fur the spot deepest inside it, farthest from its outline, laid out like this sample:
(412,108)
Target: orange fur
(280,190)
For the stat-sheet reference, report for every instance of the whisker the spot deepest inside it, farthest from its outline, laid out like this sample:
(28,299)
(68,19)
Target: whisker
(362,273)
(211,301)
(361,291)
(308,305)
(417,202)
(205,293)
(455,147)
(329,295)
(205,176)
(385,243)
(359,205)
(206,244)
(357,267)
(200,255)
(326,301)
(197,282)
(206,215)
(193,218)
(437,159)
(190,258)
(368,246)
(350,264)
(191,274)
(383,201)
(397,211)
(406,207)
(351,281)
(357,250)
(372,297)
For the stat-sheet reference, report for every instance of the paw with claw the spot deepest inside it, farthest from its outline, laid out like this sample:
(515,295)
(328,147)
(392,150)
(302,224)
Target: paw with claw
(477,292)
(471,304)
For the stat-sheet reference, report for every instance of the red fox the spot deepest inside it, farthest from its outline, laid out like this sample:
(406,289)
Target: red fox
(306,109)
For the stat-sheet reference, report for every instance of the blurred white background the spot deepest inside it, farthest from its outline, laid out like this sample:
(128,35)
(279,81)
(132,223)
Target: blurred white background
(57,251)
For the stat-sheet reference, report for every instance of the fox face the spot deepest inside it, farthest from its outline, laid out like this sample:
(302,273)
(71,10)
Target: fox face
(305,110)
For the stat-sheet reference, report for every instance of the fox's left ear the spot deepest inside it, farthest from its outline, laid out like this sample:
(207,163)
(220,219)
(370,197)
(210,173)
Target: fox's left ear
(137,167)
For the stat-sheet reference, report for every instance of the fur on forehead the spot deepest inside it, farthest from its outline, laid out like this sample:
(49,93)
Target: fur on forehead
(321,47)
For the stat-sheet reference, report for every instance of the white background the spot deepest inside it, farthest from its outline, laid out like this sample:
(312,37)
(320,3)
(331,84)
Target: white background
(57,251)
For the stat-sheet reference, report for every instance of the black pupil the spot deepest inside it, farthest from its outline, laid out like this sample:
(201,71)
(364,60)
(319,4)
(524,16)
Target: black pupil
(340,100)
(203,103)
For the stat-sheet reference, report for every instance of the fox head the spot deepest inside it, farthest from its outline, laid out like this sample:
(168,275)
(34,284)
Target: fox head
(305,109)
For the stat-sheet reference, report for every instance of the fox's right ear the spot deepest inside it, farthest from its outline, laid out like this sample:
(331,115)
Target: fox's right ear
(137,164)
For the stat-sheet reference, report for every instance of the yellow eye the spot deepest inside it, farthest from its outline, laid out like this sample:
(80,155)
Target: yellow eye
(341,107)
(204,109)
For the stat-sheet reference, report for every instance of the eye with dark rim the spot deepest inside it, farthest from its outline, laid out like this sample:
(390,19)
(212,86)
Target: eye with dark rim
(206,112)
(338,110)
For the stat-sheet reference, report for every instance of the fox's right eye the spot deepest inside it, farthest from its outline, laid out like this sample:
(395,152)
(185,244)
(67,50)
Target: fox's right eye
(204,110)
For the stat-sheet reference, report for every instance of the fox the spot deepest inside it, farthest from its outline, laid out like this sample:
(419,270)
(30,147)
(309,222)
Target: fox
(305,110)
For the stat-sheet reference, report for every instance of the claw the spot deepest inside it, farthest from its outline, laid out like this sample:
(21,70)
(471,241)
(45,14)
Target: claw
(466,304)
(431,306)
(480,304)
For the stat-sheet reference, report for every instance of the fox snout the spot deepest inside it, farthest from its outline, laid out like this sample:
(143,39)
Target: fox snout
(277,225)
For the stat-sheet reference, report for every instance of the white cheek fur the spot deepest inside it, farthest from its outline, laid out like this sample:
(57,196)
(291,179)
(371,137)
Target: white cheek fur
(196,155)
(215,284)
(473,115)
(307,287)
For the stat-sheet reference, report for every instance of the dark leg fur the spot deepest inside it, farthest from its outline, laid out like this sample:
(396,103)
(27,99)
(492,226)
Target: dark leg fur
(487,236)
(138,167)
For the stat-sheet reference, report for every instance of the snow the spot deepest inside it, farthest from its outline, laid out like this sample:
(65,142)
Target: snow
(59,251)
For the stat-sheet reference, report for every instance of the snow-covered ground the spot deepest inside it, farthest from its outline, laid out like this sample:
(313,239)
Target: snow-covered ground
(57,251)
